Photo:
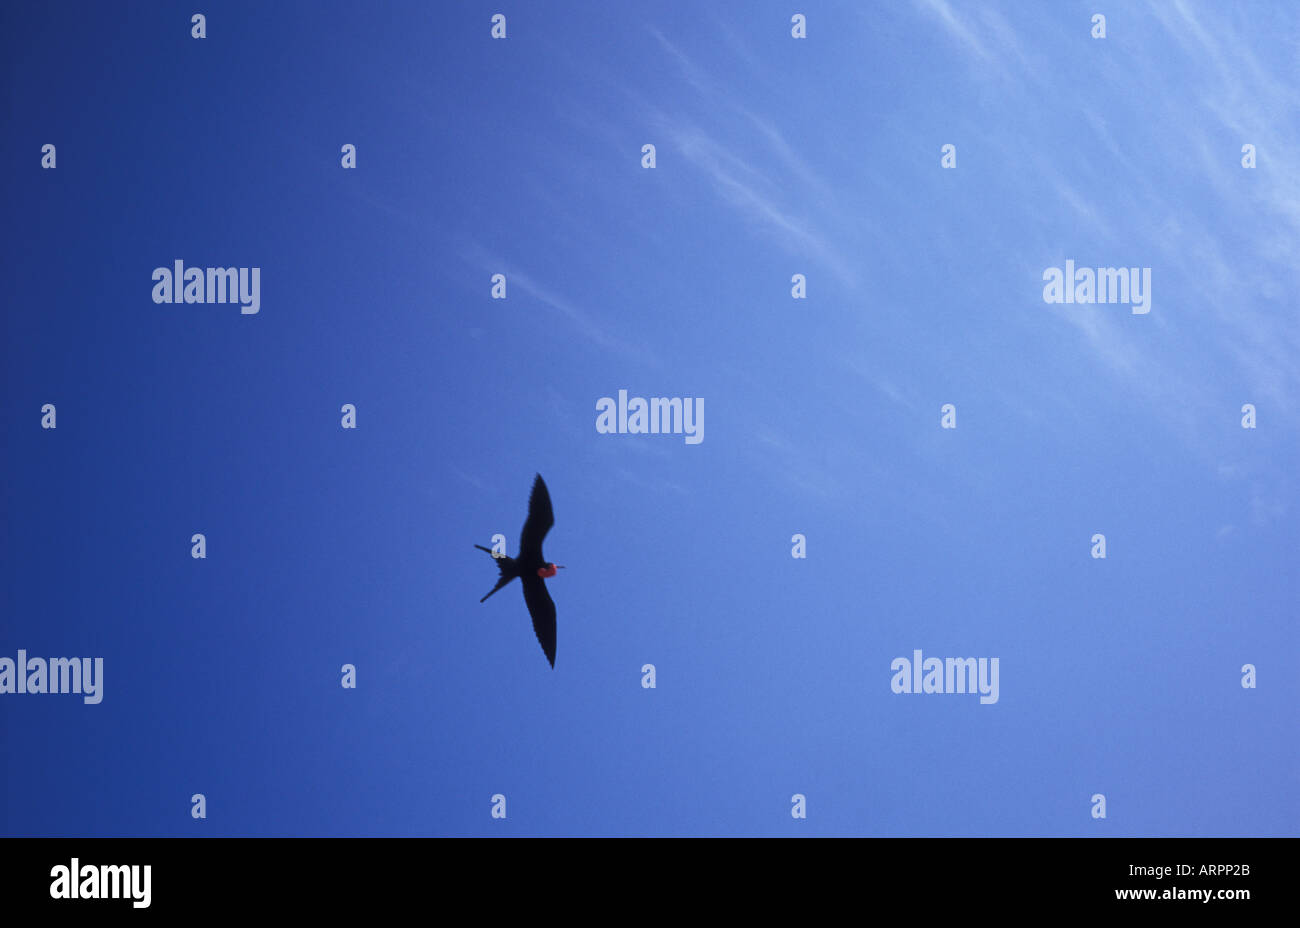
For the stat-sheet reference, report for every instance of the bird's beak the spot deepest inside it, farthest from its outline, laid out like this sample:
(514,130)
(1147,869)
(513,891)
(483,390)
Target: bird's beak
(559,567)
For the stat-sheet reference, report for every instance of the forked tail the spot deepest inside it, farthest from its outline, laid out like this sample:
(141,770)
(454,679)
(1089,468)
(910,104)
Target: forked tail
(503,564)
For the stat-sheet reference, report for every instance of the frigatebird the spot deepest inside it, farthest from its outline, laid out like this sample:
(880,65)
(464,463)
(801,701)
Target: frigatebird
(532,569)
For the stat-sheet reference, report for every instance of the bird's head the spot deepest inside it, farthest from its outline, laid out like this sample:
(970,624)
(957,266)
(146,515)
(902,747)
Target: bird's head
(549,570)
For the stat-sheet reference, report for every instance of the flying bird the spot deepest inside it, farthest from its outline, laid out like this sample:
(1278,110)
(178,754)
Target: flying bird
(532,569)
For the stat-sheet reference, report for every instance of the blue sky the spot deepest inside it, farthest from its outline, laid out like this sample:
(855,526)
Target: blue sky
(775,156)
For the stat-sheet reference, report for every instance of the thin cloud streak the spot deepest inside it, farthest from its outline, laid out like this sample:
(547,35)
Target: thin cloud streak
(581,321)
(741,184)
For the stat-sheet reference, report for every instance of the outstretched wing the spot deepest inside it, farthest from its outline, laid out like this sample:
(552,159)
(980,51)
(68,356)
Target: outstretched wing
(542,610)
(539,522)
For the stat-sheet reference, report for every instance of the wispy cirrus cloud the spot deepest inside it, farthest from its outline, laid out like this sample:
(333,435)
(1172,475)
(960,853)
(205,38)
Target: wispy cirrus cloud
(961,31)
(795,204)
(1221,239)
(583,322)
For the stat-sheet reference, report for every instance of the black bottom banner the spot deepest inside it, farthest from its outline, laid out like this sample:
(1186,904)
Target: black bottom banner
(334,877)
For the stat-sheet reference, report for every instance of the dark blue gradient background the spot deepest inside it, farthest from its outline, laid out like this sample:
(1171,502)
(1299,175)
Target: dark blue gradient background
(775,157)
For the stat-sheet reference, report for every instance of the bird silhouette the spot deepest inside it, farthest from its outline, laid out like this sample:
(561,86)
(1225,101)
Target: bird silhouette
(532,569)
